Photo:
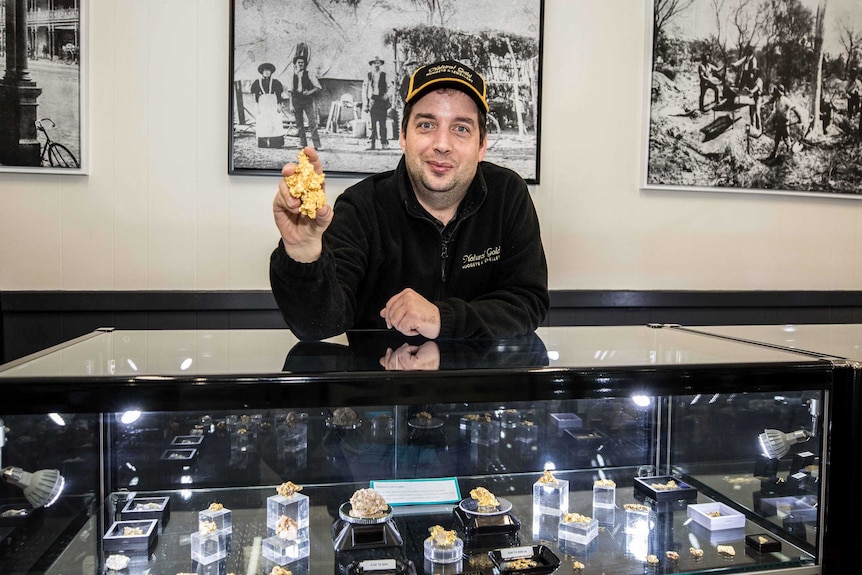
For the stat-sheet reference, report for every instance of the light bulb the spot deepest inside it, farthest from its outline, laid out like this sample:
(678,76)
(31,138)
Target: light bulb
(41,488)
(775,444)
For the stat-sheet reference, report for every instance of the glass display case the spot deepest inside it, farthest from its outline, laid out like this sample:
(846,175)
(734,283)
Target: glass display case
(640,449)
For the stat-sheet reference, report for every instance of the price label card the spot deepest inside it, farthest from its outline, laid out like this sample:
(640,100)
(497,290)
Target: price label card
(515,553)
(378,565)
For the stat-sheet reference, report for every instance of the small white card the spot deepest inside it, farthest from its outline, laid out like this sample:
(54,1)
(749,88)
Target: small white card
(515,553)
(378,565)
(418,491)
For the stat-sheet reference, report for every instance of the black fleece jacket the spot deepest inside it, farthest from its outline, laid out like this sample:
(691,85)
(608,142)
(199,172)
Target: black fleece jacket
(486,270)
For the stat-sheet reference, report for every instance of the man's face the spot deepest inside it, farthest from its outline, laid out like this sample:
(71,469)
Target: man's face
(300,65)
(441,143)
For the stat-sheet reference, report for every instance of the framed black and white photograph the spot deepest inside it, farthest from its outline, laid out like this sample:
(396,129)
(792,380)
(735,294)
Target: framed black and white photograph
(42,86)
(755,96)
(301,75)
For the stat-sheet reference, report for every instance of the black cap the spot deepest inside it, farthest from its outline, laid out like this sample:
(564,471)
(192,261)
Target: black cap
(448,73)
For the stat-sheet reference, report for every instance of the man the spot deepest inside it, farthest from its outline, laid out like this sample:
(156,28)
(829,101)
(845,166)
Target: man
(377,103)
(445,246)
(853,91)
(784,106)
(302,93)
(746,67)
(706,72)
(754,89)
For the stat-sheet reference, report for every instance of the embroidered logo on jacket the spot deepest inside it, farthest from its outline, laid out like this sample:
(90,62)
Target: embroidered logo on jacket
(480,259)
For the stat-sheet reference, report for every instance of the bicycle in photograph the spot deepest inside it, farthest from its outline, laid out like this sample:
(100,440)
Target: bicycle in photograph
(55,154)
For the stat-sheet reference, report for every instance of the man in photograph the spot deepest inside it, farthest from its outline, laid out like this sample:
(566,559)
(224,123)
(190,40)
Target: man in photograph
(784,108)
(709,81)
(303,91)
(376,90)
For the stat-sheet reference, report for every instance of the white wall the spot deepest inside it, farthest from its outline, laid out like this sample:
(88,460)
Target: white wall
(159,212)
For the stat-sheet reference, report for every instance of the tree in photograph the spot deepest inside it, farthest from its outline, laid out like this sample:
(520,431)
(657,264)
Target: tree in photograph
(748,22)
(816,87)
(851,40)
(720,40)
(664,12)
(788,49)
(439,11)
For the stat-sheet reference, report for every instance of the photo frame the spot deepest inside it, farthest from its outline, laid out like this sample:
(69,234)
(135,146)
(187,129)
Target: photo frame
(43,79)
(754,97)
(339,43)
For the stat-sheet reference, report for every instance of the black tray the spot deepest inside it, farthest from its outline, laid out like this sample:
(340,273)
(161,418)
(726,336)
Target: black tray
(546,561)
(645,486)
(770,545)
(114,540)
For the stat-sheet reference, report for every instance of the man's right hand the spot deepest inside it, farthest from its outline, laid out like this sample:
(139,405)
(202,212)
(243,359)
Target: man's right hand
(303,236)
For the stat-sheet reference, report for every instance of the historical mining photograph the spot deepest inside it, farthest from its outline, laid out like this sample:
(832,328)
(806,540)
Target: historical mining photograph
(756,95)
(332,74)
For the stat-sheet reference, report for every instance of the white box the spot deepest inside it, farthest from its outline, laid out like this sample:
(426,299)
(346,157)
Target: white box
(727,518)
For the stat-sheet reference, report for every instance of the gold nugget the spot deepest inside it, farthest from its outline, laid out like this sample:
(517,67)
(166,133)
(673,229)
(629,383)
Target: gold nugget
(696,552)
(442,537)
(307,185)
(288,489)
(726,550)
(484,497)
(548,478)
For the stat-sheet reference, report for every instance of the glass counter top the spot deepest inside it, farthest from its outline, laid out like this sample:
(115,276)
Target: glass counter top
(835,340)
(188,353)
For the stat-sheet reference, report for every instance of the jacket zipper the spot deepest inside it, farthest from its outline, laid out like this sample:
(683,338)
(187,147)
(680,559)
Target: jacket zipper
(444,255)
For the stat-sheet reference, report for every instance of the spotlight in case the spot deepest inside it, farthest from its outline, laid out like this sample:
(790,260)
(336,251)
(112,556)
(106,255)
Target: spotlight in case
(775,444)
(41,488)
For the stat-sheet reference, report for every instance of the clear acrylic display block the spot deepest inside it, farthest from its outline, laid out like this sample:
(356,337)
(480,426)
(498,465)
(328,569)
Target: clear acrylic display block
(485,432)
(212,521)
(551,498)
(436,553)
(283,551)
(637,520)
(605,515)
(581,532)
(292,439)
(287,524)
(509,418)
(295,507)
(527,432)
(545,527)
(604,494)
(209,547)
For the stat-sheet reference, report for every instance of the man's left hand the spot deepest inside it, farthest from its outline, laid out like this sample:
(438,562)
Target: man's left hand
(411,314)
(412,357)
